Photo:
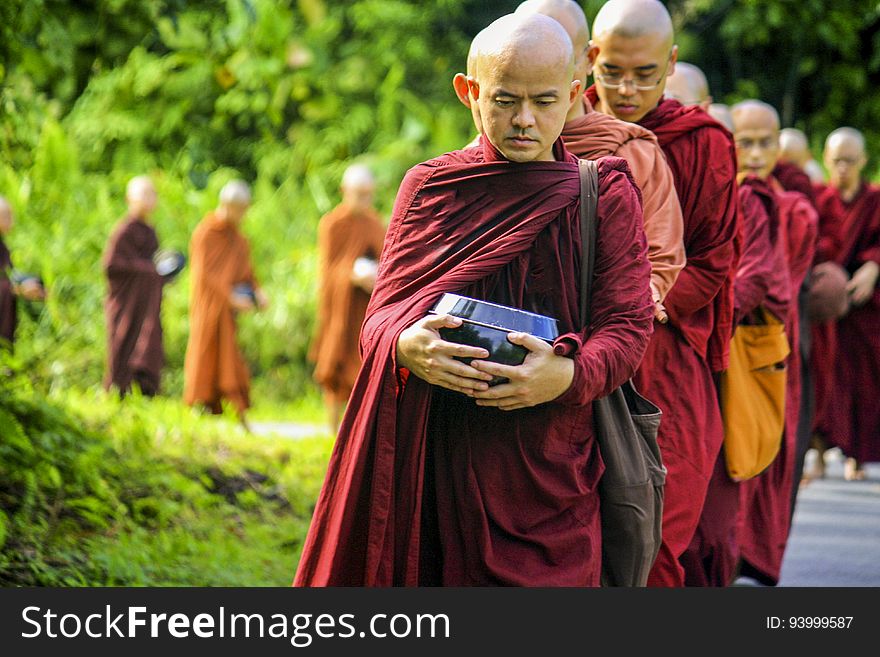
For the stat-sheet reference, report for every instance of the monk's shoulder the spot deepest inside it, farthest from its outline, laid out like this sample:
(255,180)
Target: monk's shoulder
(614,171)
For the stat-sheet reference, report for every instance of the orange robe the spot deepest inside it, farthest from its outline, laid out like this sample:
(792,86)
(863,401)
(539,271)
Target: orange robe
(596,135)
(215,368)
(344,235)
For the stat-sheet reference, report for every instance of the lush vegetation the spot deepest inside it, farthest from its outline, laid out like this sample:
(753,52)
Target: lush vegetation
(284,93)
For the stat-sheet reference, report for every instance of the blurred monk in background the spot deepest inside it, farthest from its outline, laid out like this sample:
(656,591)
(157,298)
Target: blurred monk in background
(134,301)
(223,285)
(794,154)
(688,85)
(30,289)
(795,149)
(349,245)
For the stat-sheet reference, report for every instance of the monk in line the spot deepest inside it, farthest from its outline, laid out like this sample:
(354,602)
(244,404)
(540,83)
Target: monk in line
(766,499)
(795,149)
(688,85)
(223,285)
(762,285)
(632,52)
(29,289)
(590,134)
(437,478)
(794,154)
(134,300)
(349,244)
(848,352)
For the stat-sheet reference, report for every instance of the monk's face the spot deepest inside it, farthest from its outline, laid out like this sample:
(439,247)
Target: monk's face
(523,102)
(143,201)
(845,159)
(233,212)
(360,195)
(6,220)
(631,73)
(756,136)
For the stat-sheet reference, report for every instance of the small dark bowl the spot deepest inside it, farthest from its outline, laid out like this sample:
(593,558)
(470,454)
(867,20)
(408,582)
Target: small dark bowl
(487,325)
(245,290)
(169,263)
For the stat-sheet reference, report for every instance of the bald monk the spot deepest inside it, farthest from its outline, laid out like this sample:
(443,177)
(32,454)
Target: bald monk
(29,289)
(350,231)
(632,52)
(436,478)
(849,353)
(688,85)
(134,300)
(794,153)
(214,368)
(721,113)
(590,134)
(795,149)
(766,499)
(762,285)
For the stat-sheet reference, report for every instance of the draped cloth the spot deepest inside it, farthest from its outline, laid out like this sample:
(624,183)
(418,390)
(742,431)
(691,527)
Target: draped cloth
(677,371)
(133,308)
(214,368)
(344,235)
(794,179)
(8,318)
(766,499)
(594,135)
(846,355)
(423,486)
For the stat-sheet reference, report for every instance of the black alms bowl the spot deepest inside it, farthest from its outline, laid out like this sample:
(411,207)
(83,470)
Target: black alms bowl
(487,325)
(169,263)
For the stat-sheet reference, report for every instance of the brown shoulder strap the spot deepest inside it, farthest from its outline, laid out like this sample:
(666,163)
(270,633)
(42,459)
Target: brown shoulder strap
(589,175)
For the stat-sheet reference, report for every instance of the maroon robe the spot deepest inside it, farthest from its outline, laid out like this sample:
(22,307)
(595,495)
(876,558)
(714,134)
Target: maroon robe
(425,487)
(761,281)
(847,353)
(765,519)
(133,306)
(8,318)
(794,179)
(677,372)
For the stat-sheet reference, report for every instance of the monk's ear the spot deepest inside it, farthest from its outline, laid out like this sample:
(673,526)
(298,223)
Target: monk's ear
(673,57)
(473,88)
(592,54)
(575,91)
(588,64)
(460,84)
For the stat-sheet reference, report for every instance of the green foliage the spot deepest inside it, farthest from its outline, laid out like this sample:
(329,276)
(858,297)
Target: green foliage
(99,492)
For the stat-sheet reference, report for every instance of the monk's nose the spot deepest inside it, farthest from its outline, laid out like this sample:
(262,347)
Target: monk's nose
(524,118)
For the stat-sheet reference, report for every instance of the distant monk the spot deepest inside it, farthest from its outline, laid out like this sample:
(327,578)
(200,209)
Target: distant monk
(437,478)
(721,113)
(29,289)
(688,85)
(794,153)
(223,285)
(632,52)
(134,301)
(590,134)
(849,211)
(766,499)
(794,148)
(349,245)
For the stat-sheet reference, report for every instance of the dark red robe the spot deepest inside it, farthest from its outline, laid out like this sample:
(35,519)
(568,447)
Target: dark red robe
(847,353)
(761,280)
(133,307)
(423,486)
(8,318)
(677,372)
(766,499)
(794,179)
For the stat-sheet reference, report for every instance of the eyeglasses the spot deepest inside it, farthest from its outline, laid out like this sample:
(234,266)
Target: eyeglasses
(640,82)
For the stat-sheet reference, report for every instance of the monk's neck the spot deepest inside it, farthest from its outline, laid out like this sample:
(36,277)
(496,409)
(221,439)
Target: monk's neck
(578,109)
(850,192)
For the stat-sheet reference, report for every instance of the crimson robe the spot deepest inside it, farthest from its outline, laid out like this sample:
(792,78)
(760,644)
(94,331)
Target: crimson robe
(677,371)
(766,499)
(848,351)
(8,318)
(762,280)
(133,308)
(424,486)
(794,179)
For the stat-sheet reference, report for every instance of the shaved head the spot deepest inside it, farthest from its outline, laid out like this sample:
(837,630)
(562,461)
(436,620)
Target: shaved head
(140,194)
(631,19)
(358,186)
(688,85)
(235,192)
(845,158)
(524,84)
(756,135)
(5,216)
(633,52)
(793,147)
(721,113)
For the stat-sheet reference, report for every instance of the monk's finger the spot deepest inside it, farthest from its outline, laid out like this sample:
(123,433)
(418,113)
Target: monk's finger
(467,383)
(452,366)
(497,369)
(441,321)
(456,350)
(495,393)
(529,341)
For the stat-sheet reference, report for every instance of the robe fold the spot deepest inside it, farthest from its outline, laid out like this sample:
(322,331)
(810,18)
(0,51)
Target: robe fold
(595,135)
(765,518)
(214,368)
(344,235)
(8,317)
(794,179)
(133,308)
(677,371)
(847,352)
(424,487)
(762,280)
